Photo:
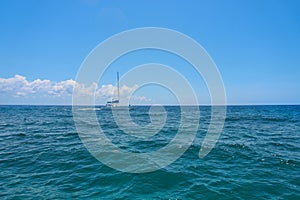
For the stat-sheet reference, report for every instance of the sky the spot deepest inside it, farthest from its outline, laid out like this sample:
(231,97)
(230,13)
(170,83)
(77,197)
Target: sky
(255,45)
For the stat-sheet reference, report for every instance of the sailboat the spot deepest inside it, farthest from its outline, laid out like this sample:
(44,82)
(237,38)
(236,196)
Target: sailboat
(115,101)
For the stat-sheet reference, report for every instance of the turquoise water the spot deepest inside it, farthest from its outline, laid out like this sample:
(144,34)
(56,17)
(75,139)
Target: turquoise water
(256,157)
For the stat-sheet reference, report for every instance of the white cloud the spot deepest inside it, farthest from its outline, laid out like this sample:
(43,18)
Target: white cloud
(140,99)
(112,91)
(19,87)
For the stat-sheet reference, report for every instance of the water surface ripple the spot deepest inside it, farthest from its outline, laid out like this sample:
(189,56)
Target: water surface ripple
(256,157)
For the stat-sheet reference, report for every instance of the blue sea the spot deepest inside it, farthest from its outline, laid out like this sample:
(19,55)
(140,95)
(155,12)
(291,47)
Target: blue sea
(256,157)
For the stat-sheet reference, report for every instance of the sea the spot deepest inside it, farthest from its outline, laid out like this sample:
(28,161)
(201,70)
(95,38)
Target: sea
(257,156)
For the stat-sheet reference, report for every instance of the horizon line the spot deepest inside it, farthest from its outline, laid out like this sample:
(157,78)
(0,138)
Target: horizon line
(103,105)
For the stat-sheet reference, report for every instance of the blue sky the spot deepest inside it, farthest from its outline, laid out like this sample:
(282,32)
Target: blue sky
(255,44)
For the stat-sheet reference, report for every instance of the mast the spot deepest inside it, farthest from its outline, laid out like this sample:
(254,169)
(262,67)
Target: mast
(118,86)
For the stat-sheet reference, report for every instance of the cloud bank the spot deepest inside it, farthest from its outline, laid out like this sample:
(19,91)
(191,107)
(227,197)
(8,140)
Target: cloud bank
(19,87)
